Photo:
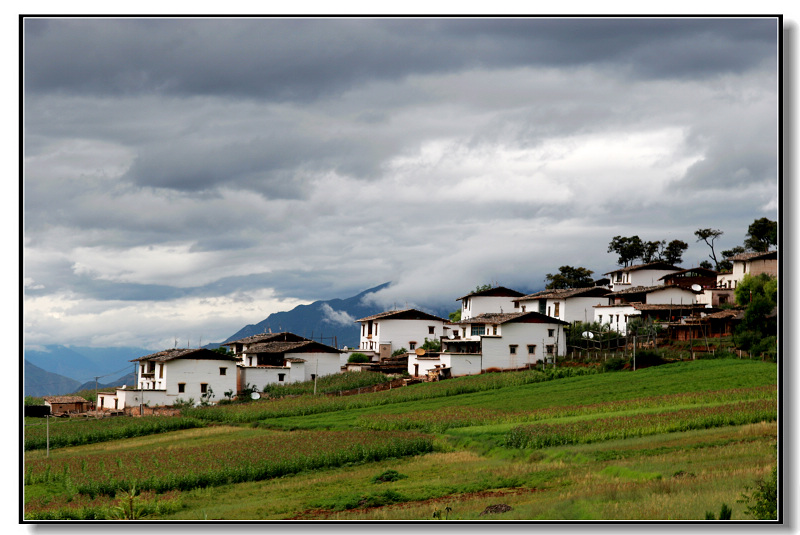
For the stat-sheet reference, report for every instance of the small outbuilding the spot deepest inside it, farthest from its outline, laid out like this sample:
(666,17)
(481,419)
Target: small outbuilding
(66,404)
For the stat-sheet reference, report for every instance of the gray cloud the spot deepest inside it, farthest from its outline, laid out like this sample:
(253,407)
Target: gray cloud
(227,167)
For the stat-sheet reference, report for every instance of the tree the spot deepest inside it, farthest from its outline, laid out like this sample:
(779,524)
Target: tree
(761,234)
(570,277)
(455,317)
(757,331)
(651,251)
(627,248)
(706,264)
(706,234)
(673,253)
(483,287)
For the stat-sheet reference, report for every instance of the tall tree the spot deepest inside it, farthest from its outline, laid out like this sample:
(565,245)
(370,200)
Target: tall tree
(673,253)
(761,234)
(652,251)
(708,235)
(628,249)
(570,277)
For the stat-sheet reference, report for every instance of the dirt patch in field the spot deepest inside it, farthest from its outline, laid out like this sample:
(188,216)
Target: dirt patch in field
(323,514)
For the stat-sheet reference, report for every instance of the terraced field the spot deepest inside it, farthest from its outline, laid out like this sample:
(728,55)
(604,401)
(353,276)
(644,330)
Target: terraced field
(675,441)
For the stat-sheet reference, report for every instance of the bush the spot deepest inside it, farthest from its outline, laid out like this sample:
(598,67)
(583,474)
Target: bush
(388,475)
(614,364)
(648,358)
(400,352)
(762,504)
(357,358)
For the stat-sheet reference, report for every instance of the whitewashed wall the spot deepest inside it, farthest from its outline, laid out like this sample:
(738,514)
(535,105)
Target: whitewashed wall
(484,304)
(497,354)
(400,332)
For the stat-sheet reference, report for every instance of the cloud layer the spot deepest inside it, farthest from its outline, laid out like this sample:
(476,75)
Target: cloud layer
(222,169)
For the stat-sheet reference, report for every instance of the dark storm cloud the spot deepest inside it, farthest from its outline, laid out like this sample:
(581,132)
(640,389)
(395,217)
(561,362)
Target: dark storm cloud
(263,58)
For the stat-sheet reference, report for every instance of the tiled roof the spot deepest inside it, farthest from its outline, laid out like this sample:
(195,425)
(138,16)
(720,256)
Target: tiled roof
(264,337)
(564,293)
(64,399)
(640,290)
(498,318)
(408,313)
(196,354)
(659,306)
(498,291)
(288,347)
(651,265)
(744,257)
(702,272)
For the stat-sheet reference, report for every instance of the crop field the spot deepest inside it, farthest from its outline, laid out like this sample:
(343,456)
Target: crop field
(672,442)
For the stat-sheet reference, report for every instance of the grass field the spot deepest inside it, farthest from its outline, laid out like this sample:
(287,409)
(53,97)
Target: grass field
(670,442)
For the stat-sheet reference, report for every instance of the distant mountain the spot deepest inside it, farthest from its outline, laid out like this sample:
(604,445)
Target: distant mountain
(129,379)
(85,363)
(323,321)
(39,382)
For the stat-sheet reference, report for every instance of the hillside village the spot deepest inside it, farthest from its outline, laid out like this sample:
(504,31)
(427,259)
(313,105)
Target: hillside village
(496,328)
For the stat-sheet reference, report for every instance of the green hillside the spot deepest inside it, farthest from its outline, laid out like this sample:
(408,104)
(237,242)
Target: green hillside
(670,442)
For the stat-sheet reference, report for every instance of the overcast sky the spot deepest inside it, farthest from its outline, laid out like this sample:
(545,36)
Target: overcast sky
(185,177)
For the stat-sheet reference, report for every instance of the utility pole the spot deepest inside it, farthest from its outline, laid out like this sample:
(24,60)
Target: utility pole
(95,395)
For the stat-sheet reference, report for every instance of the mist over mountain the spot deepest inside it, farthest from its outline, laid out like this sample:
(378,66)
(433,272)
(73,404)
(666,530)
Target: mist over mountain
(332,322)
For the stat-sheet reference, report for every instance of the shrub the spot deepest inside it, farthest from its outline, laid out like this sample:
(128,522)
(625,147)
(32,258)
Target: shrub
(614,364)
(648,358)
(388,475)
(400,352)
(762,504)
(356,358)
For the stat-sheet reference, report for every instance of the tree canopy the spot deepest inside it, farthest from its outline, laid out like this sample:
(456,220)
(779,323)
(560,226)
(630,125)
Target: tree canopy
(761,234)
(708,235)
(627,248)
(569,277)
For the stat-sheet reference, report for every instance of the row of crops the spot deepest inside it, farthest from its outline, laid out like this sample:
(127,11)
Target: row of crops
(442,419)
(305,405)
(74,432)
(223,462)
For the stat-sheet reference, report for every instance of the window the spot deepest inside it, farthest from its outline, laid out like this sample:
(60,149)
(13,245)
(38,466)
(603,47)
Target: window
(281,377)
(477,330)
(412,345)
(617,318)
(223,371)
(494,330)
(431,329)
(203,388)
(523,308)
(181,387)
(531,349)
(600,318)
(556,306)
(161,371)
(516,304)
(313,376)
(551,332)
(512,349)
(551,349)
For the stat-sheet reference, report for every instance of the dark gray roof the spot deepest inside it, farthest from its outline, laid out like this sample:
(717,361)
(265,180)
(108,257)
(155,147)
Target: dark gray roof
(194,354)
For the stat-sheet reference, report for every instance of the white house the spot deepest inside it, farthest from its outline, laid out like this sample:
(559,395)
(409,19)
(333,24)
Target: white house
(494,340)
(749,264)
(494,300)
(163,377)
(568,304)
(640,275)
(623,304)
(384,333)
(282,362)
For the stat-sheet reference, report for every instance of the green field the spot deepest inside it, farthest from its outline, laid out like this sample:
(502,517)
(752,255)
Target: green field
(671,442)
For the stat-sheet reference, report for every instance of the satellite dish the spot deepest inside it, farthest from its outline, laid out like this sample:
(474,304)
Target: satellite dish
(696,287)
(587,334)
(345,348)
(419,351)
(255,395)
(451,336)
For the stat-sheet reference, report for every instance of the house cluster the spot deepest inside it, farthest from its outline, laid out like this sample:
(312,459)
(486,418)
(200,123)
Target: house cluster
(499,328)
